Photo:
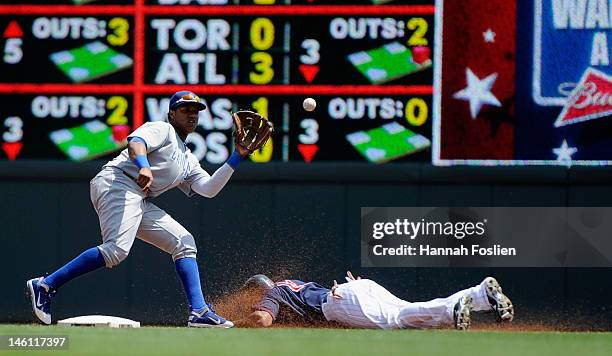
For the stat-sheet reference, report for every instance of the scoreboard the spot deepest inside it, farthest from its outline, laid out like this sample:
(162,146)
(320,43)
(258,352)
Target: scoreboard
(76,76)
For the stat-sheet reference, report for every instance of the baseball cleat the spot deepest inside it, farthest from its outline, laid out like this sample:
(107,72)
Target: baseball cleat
(207,318)
(40,297)
(461,313)
(501,304)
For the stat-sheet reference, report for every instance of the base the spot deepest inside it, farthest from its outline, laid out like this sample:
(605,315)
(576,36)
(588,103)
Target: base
(100,321)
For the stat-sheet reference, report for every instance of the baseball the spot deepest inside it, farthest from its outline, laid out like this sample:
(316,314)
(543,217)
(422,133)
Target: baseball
(309,104)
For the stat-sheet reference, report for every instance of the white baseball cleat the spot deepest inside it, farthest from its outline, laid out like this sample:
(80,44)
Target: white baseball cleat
(501,304)
(461,313)
(208,318)
(40,296)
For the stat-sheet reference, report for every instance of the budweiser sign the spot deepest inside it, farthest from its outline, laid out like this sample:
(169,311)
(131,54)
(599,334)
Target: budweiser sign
(590,99)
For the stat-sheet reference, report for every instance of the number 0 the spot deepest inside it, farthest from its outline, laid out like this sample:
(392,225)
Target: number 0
(416,111)
(262,33)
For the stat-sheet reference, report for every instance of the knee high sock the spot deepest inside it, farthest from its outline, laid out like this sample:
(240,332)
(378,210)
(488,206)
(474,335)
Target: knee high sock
(187,269)
(87,261)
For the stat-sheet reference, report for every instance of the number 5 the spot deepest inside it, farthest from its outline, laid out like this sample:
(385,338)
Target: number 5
(12,51)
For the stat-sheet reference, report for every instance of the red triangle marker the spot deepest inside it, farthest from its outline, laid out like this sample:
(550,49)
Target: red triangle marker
(13,30)
(309,71)
(12,149)
(308,151)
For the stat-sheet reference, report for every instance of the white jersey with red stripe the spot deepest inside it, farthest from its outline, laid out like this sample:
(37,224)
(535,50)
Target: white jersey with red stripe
(366,304)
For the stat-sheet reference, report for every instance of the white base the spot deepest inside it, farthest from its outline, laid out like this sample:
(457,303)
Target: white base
(100,321)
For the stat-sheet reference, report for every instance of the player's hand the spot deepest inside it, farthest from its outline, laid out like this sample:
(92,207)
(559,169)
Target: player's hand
(349,277)
(334,291)
(144,179)
(251,130)
(242,151)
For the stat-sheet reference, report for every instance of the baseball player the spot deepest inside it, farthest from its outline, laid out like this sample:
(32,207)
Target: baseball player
(156,160)
(363,303)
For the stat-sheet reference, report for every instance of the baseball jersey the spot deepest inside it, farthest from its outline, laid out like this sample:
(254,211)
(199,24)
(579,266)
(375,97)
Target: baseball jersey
(302,298)
(172,163)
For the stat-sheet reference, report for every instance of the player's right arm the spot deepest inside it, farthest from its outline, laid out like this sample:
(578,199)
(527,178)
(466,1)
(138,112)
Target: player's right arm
(137,150)
(264,312)
(145,139)
(257,319)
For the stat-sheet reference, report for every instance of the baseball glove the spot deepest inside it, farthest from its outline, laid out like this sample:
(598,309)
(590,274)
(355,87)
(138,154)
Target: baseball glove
(251,130)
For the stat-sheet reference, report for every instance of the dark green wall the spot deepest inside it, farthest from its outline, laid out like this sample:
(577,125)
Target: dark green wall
(297,220)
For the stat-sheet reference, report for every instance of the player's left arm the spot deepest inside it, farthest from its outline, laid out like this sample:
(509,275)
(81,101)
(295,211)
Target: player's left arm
(209,186)
(202,183)
(349,278)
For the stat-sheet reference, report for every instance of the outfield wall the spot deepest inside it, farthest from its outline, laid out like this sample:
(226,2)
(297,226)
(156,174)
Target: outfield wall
(285,220)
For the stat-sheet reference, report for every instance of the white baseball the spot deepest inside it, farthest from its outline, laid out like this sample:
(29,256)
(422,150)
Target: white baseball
(309,104)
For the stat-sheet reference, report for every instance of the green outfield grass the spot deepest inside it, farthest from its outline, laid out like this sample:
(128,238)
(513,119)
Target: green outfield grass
(312,342)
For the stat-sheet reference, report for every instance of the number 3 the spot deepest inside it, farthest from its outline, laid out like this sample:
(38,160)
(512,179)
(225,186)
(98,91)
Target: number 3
(263,64)
(311,131)
(15,132)
(312,55)
(120,28)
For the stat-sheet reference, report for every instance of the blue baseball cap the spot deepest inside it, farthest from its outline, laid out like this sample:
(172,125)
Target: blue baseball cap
(185,97)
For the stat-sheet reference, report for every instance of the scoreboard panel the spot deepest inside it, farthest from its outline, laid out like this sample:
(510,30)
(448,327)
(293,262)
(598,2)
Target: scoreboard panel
(77,76)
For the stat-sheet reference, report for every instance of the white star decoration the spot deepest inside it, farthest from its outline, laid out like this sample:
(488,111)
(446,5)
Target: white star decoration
(564,153)
(489,36)
(478,92)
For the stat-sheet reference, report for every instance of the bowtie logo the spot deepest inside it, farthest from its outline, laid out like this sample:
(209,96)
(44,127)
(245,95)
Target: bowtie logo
(590,99)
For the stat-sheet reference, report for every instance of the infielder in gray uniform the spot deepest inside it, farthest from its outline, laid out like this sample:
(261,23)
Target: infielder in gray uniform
(156,160)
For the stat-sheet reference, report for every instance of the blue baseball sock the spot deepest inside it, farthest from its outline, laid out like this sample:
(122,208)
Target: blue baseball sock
(87,261)
(187,269)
